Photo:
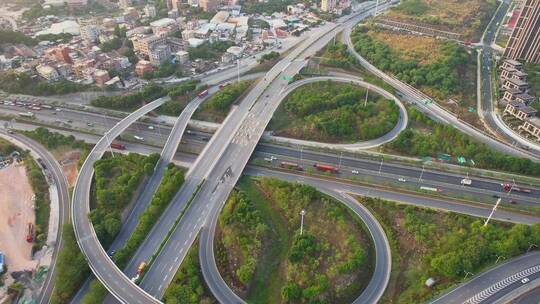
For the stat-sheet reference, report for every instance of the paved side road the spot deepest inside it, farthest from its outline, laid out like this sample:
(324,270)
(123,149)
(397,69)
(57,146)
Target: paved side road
(63,204)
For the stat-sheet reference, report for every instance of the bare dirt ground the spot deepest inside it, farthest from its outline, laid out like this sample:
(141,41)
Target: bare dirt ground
(69,161)
(16,211)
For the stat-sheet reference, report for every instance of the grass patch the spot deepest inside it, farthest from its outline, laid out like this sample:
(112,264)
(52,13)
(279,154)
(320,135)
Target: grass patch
(334,112)
(42,202)
(442,245)
(331,262)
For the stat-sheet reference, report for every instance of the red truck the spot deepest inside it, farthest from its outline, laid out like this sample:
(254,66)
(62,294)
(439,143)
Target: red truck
(509,186)
(289,165)
(30,233)
(326,168)
(203,93)
(118,146)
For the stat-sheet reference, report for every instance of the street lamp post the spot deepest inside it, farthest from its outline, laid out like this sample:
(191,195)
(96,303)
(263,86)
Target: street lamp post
(492,211)
(422,173)
(380,167)
(302,213)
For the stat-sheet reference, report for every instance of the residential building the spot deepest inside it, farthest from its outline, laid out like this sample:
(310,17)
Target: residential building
(531,126)
(524,42)
(182,57)
(208,5)
(150,11)
(512,83)
(143,45)
(101,77)
(124,3)
(47,72)
(328,5)
(142,67)
(159,54)
(519,110)
(76,3)
(173,14)
(90,33)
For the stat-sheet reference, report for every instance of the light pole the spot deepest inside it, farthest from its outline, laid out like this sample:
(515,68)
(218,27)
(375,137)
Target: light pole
(302,213)
(109,143)
(238,70)
(340,157)
(499,257)
(422,172)
(467,274)
(380,167)
(492,211)
(531,246)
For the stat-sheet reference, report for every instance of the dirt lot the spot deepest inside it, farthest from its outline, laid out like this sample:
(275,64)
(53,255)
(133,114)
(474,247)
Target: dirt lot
(16,211)
(69,161)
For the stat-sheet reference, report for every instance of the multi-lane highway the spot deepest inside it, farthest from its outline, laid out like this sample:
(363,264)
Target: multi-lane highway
(229,151)
(62,187)
(102,266)
(490,285)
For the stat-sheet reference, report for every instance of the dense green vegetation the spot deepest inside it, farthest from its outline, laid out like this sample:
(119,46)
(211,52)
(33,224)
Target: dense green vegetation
(426,141)
(165,70)
(96,294)
(334,112)
(54,140)
(71,268)
(444,246)
(15,37)
(269,57)
(443,75)
(217,106)
(243,226)
(113,44)
(534,77)
(116,179)
(273,263)
(173,179)
(181,95)
(337,55)
(188,285)
(42,202)
(268,7)
(23,83)
(7,148)
(132,101)
(413,7)
(223,100)
(37,10)
(209,51)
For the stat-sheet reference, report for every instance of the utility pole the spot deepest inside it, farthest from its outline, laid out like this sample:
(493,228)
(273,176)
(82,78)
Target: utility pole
(492,211)
(302,213)
(367,92)
(238,70)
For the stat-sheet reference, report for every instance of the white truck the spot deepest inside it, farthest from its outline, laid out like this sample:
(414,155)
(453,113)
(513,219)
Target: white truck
(138,137)
(466,181)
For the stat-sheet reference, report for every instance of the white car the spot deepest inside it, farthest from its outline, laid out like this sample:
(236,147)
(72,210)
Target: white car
(151,127)
(355,172)
(525,280)
(401,179)
(273,157)
(138,138)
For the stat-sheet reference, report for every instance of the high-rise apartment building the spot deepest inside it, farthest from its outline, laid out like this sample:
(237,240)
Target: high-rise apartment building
(524,43)
(208,5)
(328,5)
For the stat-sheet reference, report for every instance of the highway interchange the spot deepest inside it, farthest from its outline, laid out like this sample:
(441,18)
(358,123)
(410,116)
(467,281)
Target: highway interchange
(215,171)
